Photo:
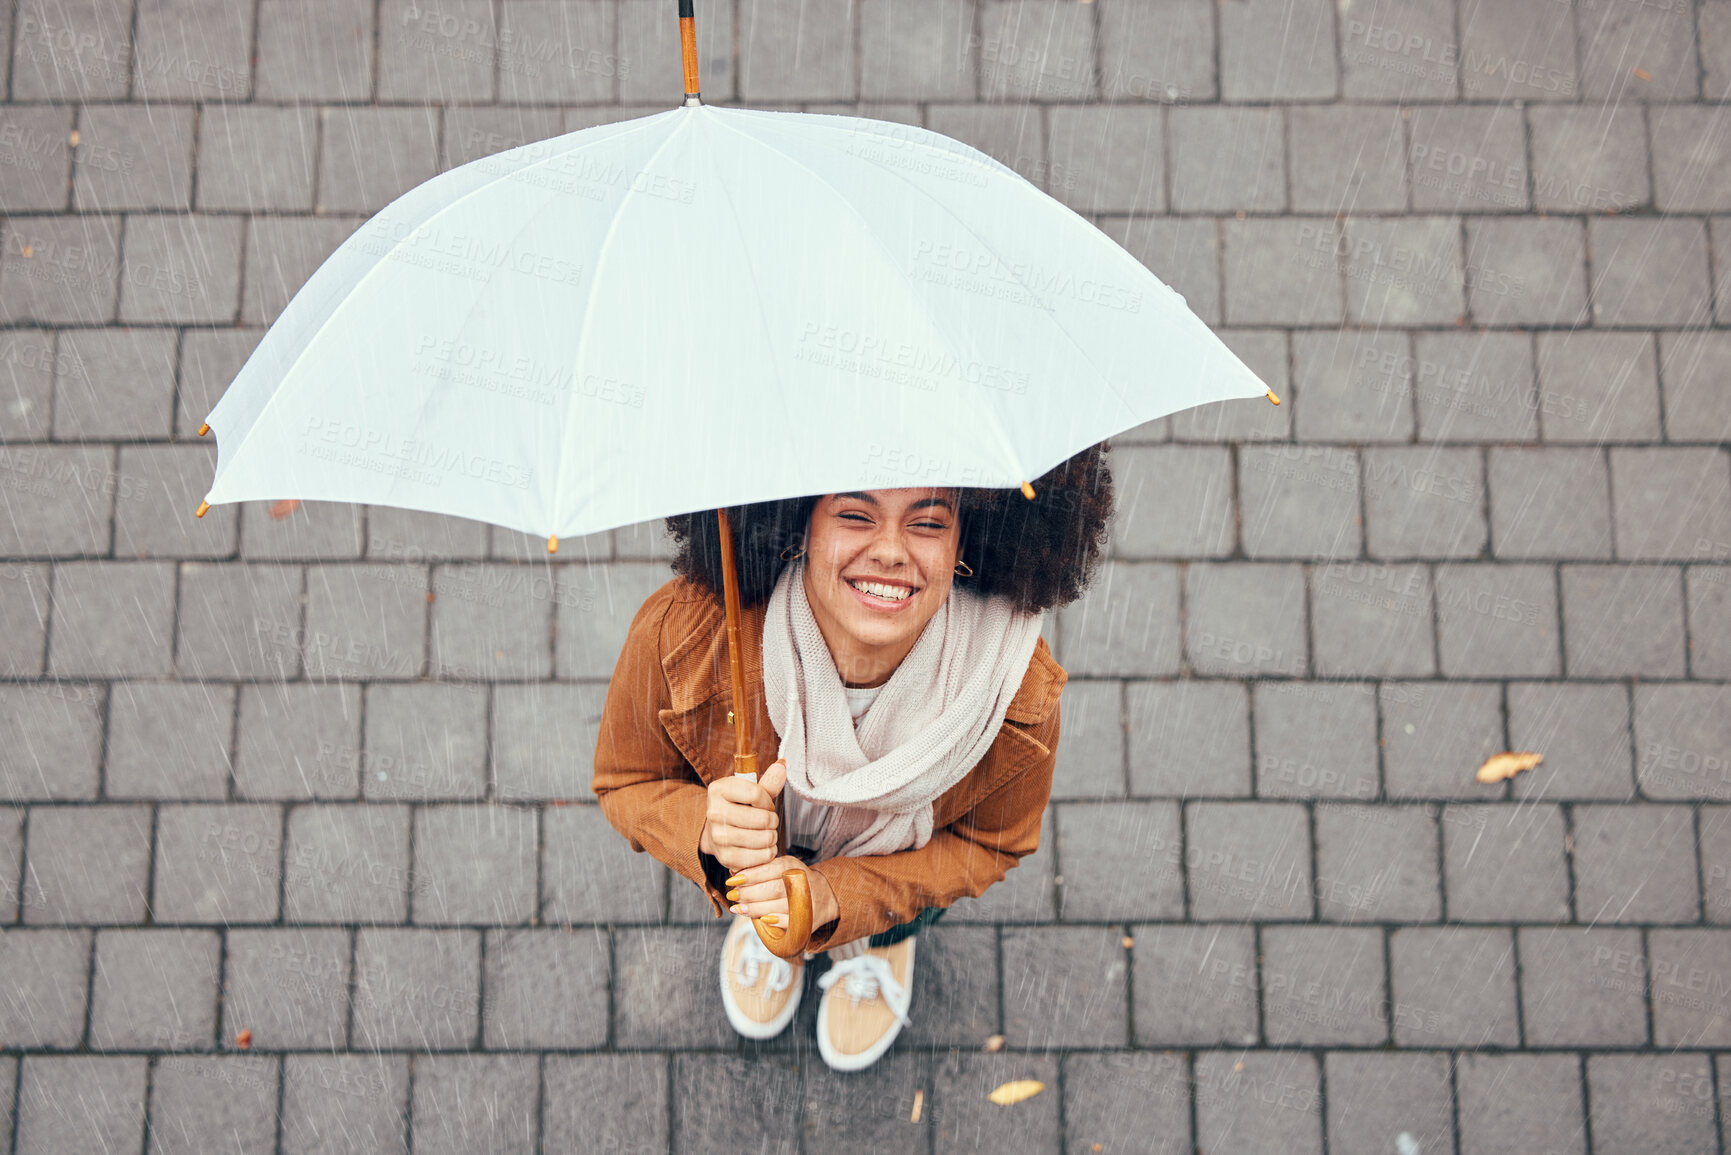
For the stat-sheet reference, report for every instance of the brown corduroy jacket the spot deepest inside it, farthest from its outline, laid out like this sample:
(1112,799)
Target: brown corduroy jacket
(665,735)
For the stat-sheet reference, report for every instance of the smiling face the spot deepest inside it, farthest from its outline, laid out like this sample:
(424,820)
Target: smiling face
(902,539)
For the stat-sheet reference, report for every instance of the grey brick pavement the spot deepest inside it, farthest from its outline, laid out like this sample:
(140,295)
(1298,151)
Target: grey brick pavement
(324,777)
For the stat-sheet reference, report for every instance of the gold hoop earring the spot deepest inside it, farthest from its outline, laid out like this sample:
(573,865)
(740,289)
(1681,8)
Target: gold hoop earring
(795,557)
(964,569)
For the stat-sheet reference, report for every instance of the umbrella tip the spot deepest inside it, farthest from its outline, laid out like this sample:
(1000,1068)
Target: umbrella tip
(203,429)
(202,506)
(553,544)
(1272,397)
(1027,491)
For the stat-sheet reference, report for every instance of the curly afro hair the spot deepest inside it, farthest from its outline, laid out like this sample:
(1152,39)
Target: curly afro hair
(1041,553)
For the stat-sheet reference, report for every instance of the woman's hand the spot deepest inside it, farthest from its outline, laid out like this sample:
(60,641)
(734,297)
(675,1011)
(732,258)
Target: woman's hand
(758,891)
(739,828)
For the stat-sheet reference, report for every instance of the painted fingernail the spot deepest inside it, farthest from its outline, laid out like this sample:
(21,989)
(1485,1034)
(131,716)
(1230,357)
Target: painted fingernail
(733,896)
(772,919)
(736,880)
(735,908)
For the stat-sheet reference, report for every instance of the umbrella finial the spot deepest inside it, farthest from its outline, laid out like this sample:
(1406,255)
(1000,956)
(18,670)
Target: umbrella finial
(1027,491)
(202,506)
(1272,397)
(553,543)
(203,429)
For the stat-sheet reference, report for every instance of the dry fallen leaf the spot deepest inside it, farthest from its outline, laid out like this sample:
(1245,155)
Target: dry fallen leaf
(244,1039)
(1127,942)
(74,138)
(919,1101)
(1238,1066)
(1507,764)
(1015,1091)
(1643,74)
(995,1043)
(283,508)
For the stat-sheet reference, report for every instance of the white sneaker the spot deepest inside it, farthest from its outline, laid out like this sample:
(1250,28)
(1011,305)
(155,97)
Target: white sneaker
(857,1023)
(759,988)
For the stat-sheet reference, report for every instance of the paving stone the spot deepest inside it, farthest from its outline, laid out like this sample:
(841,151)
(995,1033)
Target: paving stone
(450,53)
(1709,610)
(1497,619)
(1226,158)
(53,732)
(1314,741)
(1350,386)
(545,988)
(1245,619)
(425,741)
(544,736)
(1637,54)
(370,156)
(1646,485)
(367,622)
(1435,735)
(1681,739)
(169,740)
(1038,51)
(312,530)
(193,49)
(209,361)
(322,50)
(1696,409)
(1583,986)
(1263,352)
(1424,502)
(1549,503)
(114,383)
(1110,1095)
(281,254)
(70,51)
(1453,986)
(1376,863)
(1404,271)
(298,742)
(1248,860)
(1526,272)
(80,1103)
(1323,985)
(1505,863)
(1635,864)
(133,156)
(1188,737)
(1468,158)
(1120,860)
(1624,619)
(762,1097)
(1517,52)
(62,504)
(1172,501)
(180,269)
(23,618)
(209,1103)
(71,274)
(217,864)
(1194,985)
(112,619)
(417,989)
(332,1101)
(411,537)
(1372,619)
(955,990)
(1299,501)
(1065,987)
(1414,54)
(1164,53)
(961,1113)
(47,973)
(1125,625)
(1583,732)
(155,989)
(1258,1101)
(471,133)
(642,541)
(1005,134)
(1346,158)
(35,156)
(1511,1103)
(1108,159)
(11,870)
(290,988)
(844,1112)
(649,72)
(478,863)
(594,611)
(30,361)
(1589,158)
(920,52)
(491,622)
(1375,1098)
(86,864)
(159,489)
(1091,758)
(664,988)
(347,864)
(591,875)
(782,57)
(1476,386)
(1642,1103)
(1278,50)
(256,159)
(1024,894)
(1281,271)
(1598,387)
(238,621)
(1715,47)
(1629,288)
(1715,826)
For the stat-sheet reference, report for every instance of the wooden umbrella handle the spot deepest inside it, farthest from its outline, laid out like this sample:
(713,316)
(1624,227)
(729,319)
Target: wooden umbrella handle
(790,942)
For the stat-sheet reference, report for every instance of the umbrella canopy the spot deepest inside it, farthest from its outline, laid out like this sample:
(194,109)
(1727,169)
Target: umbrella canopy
(702,307)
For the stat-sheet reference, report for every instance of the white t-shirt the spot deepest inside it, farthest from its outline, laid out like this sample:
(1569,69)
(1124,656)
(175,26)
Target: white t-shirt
(805,820)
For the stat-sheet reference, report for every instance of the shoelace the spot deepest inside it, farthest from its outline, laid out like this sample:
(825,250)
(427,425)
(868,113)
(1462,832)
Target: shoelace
(865,974)
(753,955)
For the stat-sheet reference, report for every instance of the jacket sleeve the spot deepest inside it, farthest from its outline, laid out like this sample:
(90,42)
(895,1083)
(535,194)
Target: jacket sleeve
(647,790)
(877,891)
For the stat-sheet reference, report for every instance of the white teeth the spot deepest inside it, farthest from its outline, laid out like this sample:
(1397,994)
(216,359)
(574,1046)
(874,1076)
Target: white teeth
(893,593)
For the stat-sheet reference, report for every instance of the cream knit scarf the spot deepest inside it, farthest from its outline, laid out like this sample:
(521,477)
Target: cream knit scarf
(932,722)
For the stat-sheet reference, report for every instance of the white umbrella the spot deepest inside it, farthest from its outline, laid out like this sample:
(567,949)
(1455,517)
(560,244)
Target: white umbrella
(702,308)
